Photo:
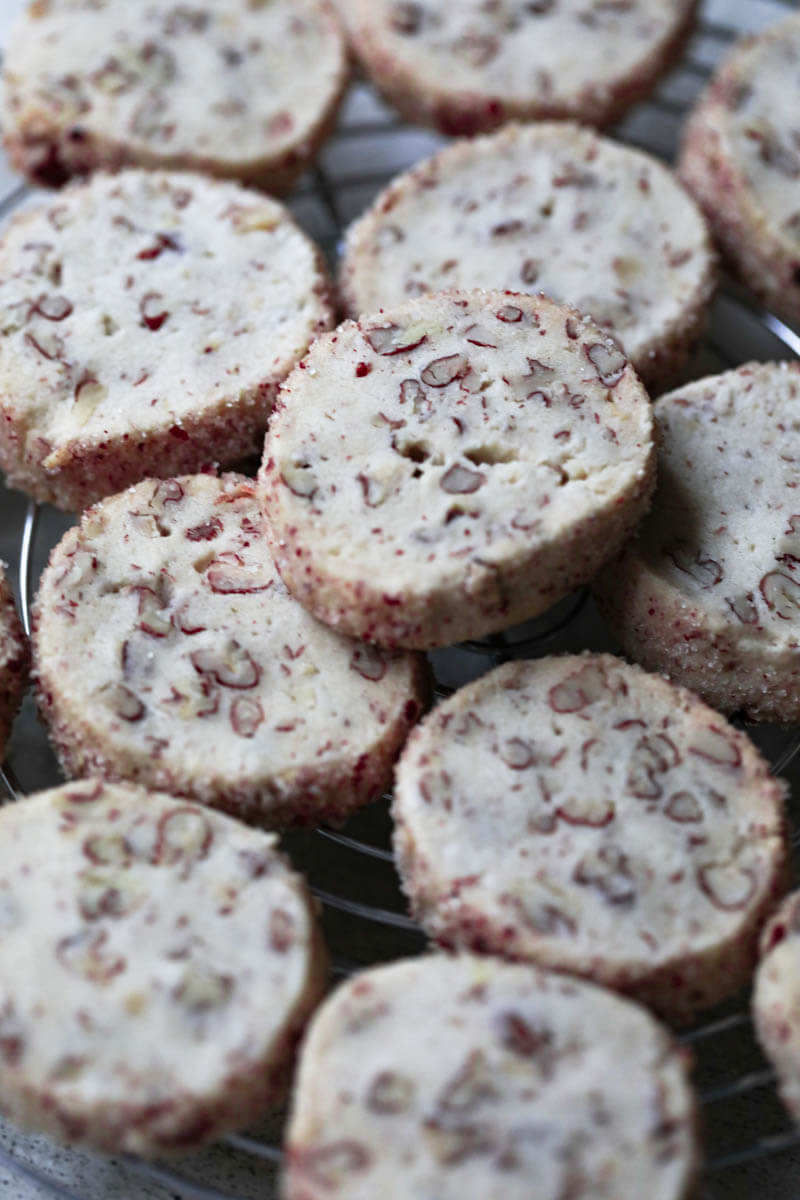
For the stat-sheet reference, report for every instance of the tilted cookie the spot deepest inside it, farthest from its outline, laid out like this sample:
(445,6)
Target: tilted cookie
(741,160)
(709,593)
(468,67)
(551,208)
(244,89)
(446,468)
(583,815)
(154,986)
(14,656)
(776,999)
(168,652)
(469,1079)
(146,320)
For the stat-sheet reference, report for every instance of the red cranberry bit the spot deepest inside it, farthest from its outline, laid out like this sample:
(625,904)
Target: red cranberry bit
(369,662)
(728,886)
(362,369)
(53,308)
(153,316)
(206,532)
(164,241)
(509,314)
(183,833)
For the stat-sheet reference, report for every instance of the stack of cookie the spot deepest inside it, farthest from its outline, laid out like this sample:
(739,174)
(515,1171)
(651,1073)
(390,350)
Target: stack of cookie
(462,453)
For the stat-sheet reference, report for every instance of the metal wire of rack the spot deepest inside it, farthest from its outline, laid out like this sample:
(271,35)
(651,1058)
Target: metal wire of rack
(750,1141)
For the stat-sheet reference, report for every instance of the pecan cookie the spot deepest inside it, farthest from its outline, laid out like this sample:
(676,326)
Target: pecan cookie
(212,86)
(13,661)
(586,816)
(776,999)
(709,593)
(466,1078)
(468,67)
(741,160)
(155,984)
(444,469)
(146,320)
(168,652)
(551,208)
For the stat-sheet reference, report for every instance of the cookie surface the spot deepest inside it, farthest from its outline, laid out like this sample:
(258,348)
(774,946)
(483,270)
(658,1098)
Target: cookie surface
(211,86)
(146,320)
(14,656)
(154,986)
(465,1078)
(468,67)
(551,208)
(168,652)
(578,813)
(776,999)
(741,160)
(446,468)
(709,593)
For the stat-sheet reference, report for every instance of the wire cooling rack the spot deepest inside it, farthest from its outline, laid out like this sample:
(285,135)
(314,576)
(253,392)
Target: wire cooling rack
(750,1143)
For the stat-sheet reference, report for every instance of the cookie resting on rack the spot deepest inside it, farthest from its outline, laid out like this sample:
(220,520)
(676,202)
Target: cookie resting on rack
(468,1079)
(168,652)
(741,160)
(551,208)
(155,985)
(776,999)
(469,67)
(146,320)
(447,468)
(244,89)
(14,655)
(709,593)
(578,813)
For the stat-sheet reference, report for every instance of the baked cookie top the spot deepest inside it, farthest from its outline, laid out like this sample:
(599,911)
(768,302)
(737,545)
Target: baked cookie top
(219,84)
(466,1078)
(580,813)
(147,302)
(545,207)
(170,957)
(169,651)
(439,451)
(476,62)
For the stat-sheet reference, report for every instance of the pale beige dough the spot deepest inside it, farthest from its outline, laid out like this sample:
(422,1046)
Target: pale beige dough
(776,999)
(168,652)
(246,89)
(443,469)
(470,66)
(583,815)
(551,208)
(741,160)
(158,962)
(709,593)
(462,1078)
(146,320)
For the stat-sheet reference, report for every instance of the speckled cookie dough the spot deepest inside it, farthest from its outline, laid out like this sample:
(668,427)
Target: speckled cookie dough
(709,593)
(14,656)
(447,468)
(146,320)
(169,653)
(741,160)
(551,208)
(468,1079)
(578,813)
(154,986)
(244,89)
(776,999)
(468,67)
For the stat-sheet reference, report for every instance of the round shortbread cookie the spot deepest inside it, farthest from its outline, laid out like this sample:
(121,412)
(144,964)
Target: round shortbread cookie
(146,320)
(468,67)
(14,656)
(470,1079)
(155,984)
(168,652)
(709,593)
(741,160)
(244,89)
(455,465)
(776,999)
(578,813)
(551,208)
